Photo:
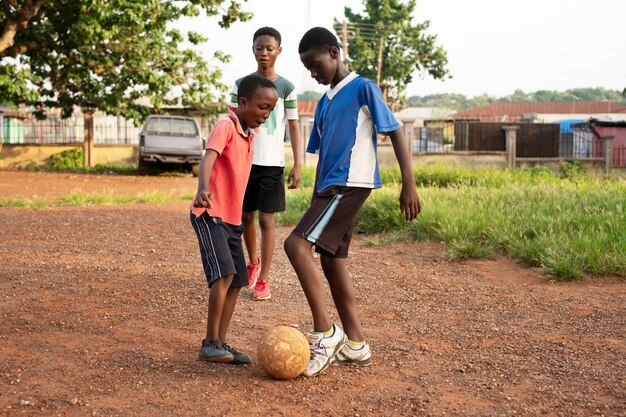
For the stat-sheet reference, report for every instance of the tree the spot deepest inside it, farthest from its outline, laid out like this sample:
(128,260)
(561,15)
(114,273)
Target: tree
(385,45)
(108,54)
(310,95)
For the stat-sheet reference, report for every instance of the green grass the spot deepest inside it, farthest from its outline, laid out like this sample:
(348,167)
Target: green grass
(83,199)
(569,223)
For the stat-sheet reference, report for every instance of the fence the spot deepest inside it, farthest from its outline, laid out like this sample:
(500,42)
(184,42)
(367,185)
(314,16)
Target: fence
(108,130)
(619,156)
(435,136)
(534,140)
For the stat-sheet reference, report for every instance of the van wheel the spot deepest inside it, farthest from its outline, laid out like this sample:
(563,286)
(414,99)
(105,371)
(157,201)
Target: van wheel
(195,169)
(144,168)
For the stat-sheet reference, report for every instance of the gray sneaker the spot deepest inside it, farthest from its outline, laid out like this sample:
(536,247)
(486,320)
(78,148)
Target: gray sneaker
(239,358)
(213,351)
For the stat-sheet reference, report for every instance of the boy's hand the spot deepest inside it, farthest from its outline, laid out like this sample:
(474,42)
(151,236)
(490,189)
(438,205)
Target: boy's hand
(294,177)
(203,199)
(410,203)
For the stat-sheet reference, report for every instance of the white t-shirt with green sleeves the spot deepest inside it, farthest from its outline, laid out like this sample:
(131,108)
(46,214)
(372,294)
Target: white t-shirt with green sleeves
(269,143)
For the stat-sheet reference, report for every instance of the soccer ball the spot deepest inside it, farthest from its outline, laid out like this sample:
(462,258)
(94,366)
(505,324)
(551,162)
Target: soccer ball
(283,353)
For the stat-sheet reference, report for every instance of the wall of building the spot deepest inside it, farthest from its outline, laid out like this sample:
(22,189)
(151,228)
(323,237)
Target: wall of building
(20,156)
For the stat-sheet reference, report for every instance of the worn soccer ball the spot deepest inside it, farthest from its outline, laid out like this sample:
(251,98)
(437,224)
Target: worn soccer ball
(283,353)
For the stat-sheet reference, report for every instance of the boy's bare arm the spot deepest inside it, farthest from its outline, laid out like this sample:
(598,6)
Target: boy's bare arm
(203,196)
(295,175)
(409,199)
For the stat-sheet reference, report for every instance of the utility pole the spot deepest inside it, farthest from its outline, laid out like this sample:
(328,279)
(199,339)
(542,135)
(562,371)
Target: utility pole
(344,42)
(380,60)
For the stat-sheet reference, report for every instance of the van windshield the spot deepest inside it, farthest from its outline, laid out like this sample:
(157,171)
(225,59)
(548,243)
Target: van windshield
(171,126)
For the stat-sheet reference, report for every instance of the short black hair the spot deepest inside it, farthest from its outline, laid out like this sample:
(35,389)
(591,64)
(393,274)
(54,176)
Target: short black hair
(250,83)
(267,31)
(317,38)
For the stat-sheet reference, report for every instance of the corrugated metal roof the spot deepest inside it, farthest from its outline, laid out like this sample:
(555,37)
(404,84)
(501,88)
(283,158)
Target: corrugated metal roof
(514,110)
(307,107)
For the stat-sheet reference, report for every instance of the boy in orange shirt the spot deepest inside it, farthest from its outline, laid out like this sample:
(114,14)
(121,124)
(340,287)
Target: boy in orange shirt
(217,207)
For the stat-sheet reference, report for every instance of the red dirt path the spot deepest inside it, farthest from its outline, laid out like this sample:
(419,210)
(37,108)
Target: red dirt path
(102,310)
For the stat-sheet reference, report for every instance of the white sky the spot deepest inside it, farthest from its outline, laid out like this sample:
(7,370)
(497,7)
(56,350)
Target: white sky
(493,46)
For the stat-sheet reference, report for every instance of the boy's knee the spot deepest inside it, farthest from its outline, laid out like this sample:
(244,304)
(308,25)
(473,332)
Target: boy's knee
(247,217)
(291,245)
(266,220)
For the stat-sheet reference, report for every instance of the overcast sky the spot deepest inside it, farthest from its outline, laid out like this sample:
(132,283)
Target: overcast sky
(493,46)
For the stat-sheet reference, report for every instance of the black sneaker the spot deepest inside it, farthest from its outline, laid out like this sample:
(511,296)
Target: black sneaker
(214,352)
(240,358)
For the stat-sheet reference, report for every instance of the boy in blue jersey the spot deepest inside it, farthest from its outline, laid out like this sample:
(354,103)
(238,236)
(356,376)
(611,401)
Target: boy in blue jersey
(344,135)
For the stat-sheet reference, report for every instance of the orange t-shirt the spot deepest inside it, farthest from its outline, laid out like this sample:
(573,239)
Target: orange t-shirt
(231,169)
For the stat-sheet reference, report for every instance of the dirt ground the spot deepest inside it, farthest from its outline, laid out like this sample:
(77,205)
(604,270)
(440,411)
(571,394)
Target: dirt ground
(102,310)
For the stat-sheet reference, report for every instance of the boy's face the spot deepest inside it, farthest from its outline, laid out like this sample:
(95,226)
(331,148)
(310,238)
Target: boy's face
(254,111)
(322,65)
(266,49)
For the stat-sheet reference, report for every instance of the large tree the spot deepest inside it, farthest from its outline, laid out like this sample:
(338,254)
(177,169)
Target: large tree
(385,45)
(111,55)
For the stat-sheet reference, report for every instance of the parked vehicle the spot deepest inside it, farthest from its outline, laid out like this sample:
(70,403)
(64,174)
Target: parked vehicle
(170,141)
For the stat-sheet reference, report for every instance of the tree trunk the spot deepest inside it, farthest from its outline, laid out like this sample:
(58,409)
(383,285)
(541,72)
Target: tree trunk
(23,15)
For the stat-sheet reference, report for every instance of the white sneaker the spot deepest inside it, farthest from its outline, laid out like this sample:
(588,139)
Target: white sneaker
(323,350)
(361,356)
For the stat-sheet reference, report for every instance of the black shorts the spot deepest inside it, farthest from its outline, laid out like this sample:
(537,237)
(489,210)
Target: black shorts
(266,190)
(220,249)
(329,221)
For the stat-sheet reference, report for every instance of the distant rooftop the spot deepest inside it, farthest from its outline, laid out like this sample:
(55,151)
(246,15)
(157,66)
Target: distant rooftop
(512,110)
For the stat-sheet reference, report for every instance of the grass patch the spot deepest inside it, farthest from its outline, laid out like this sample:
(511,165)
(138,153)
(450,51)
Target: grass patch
(569,223)
(83,199)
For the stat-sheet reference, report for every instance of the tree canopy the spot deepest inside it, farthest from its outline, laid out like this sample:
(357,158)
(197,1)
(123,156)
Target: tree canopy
(108,54)
(385,45)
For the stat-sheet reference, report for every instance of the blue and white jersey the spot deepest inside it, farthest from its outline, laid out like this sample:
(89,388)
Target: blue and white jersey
(347,121)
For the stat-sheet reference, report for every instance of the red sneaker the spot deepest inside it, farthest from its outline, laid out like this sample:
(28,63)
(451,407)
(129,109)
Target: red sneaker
(253,272)
(261,291)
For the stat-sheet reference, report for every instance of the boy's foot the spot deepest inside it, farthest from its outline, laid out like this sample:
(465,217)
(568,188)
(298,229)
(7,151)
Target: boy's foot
(361,356)
(261,291)
(213,351)
(253,272)
(324,349)
(239,358)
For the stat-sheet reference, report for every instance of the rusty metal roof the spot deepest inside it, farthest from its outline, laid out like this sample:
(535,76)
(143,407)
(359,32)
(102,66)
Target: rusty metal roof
(307,107)
(516,109)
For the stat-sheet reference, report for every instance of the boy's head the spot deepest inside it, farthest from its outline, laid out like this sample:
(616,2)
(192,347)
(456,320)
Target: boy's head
(267,31)
(256,98)
(319,52)
(266,46)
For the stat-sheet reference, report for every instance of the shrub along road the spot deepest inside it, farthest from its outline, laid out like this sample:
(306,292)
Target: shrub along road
(102,310)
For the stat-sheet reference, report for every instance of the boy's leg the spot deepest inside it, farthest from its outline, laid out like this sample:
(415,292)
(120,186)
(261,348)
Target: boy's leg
(271,199)
(249,234)
(217,298)
(342,290)
(268,231)
(299,252)
(249,237)
(268,241)
(230,300)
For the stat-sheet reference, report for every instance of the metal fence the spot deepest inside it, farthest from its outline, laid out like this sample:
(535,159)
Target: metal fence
(534,140)
(619,156)
(108,130)
(436,136)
